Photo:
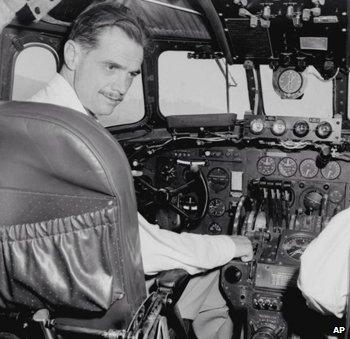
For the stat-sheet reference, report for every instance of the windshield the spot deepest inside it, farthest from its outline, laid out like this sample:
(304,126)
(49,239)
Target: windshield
(198,86)
(192,86)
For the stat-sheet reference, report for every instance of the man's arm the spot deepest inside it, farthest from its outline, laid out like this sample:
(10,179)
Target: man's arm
(165,250)
(324,270)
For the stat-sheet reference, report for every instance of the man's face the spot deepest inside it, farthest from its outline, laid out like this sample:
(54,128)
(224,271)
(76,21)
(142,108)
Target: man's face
(103,75)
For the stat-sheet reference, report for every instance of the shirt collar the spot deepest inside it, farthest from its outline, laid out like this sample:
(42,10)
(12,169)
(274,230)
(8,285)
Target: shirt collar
(78,106)
(73,101)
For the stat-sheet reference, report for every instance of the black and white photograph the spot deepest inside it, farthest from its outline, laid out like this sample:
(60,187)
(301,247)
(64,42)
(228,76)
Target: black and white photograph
(174,169)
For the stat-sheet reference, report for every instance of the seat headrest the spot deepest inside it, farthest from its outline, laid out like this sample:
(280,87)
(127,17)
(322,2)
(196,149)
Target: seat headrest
(60,145)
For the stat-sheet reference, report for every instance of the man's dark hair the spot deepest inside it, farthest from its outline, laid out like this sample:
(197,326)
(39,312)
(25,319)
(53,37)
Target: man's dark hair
(99,16)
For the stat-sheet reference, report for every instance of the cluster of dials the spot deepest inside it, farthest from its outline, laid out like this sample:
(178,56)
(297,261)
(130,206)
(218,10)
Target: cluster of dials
(218,180)
(300,128)
(287,167)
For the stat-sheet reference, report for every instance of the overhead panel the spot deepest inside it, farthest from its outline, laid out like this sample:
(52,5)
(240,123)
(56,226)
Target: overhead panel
(308,32)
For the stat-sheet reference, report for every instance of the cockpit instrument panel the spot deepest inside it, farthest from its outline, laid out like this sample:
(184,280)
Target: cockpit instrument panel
(276,180)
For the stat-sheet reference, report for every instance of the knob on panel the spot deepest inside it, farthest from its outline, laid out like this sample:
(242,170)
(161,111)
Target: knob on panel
(233,274)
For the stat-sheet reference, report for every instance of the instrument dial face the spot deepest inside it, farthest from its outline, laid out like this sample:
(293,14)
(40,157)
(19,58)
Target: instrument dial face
(167,173)
(216,207)
(214,228)
(278,127)
(295,245)
(290,81)
(287,167)
(331,171)
(266,165)
(218,179)
(257,126)
(324,130)
(301,128)
(335,196)
(308,168)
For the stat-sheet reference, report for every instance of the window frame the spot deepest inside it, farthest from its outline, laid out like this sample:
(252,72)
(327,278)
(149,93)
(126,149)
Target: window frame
(28,45)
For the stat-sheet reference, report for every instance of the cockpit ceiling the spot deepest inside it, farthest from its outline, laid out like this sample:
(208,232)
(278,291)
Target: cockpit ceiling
(164,18)
(279,33)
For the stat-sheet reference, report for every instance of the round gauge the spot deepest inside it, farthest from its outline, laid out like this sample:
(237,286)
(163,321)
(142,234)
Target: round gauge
(216,207)
(287,167)
(214,228)
(218,179)
(335,196)
(331,171)
(308,168)
(312,200)
(167,173)
(290,81)
(278,127)
(324,130)
(301,128)
(257,126)
(295,245)
(266,165)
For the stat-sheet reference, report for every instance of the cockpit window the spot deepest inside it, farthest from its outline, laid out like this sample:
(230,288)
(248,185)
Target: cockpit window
(316,101)
(35,66)
(198,86)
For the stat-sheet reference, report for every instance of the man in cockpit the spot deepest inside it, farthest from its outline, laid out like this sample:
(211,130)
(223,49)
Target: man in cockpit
(102,56)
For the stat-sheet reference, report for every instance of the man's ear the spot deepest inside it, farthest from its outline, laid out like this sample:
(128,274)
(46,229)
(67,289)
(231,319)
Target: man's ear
(72,54)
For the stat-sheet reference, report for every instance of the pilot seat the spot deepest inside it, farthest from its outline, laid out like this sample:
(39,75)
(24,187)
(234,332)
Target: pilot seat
(70,258)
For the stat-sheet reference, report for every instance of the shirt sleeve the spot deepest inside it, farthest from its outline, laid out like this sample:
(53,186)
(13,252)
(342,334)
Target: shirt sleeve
(165,250)
(325,264)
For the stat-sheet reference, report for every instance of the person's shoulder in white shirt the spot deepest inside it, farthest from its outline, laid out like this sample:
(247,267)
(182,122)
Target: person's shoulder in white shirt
(325,265)
(59,92)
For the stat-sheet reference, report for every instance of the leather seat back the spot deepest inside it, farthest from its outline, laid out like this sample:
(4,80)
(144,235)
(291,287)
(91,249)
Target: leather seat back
(58,164)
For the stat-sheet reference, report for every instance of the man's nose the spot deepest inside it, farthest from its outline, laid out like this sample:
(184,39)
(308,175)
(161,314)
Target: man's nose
(120,84)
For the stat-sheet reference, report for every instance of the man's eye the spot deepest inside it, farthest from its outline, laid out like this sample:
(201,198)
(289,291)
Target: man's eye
(111,67)
(134,74)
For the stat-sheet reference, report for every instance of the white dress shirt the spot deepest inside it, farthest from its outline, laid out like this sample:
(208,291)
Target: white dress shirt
(160,249)
(325,265)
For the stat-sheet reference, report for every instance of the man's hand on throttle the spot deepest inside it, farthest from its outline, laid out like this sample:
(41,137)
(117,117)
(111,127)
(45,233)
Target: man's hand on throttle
(244,248)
